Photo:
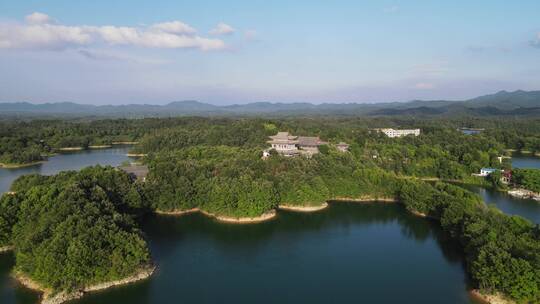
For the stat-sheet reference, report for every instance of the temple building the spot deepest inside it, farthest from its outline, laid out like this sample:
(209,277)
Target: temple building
(291,145)
(310,144)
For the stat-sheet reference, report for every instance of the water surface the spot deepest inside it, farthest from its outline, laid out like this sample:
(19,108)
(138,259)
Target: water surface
(371,253)
(527,208)
(66,161)
(525,161)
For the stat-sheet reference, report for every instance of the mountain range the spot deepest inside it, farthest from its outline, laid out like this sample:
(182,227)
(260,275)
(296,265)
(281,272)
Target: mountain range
(503,103)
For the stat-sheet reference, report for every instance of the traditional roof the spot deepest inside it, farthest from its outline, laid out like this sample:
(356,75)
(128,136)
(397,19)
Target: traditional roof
(310,141)
(283,138)
(342,144)
(139,171)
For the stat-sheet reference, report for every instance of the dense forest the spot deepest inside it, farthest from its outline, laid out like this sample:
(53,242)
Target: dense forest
(527,178)
(57,223)
(23,142)
(74,229)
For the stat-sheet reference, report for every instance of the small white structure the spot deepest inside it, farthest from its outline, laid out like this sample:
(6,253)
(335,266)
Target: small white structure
(399,133)
(486,171)
(343,147)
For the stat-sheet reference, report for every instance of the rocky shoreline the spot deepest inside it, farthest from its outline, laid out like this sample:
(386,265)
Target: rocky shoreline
(524,194)
(222,218)
(125,143)
(15,166)
(365,199)
(177,212)
(300,208)
(5,248)
(49,298)
(71,149)
(100,147)
(136,154)
(490,298)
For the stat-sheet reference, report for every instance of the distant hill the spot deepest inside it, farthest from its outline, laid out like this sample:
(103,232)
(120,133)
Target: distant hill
(518,103)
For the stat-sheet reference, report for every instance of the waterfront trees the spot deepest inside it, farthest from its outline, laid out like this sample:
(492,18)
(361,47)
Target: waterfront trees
(59,223)
(74,229)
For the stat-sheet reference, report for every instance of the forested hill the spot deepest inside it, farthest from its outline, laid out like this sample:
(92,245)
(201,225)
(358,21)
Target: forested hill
(503,103)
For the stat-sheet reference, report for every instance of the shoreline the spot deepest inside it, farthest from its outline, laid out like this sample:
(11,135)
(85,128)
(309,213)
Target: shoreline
(136,155)
(496,298)
(100,147)
(71,149)
(523,194)
(15,166)
(48,297)
(222,218)
(124,143)
(364,199)
(177,212)
(303,208)
(242,220)
(4,249)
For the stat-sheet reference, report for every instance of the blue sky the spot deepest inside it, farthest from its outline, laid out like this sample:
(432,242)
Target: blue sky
(223,52)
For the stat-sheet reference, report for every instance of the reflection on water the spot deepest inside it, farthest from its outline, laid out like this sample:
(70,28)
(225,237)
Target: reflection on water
(369,253)
(525,161)
(527,208)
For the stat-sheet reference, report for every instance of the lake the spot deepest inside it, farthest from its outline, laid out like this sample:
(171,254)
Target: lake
(374,253)
(527,208)
(66,161)
(526,161)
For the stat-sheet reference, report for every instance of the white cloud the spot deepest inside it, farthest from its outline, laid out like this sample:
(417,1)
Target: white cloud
(222,29)
(38,18)
(39,33)
(174,27)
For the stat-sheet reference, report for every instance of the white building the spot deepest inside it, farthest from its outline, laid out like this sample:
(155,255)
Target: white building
(399,133)
(486,171)
(343,147)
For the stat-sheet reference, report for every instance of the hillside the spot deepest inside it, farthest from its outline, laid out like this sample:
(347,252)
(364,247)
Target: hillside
(503,103)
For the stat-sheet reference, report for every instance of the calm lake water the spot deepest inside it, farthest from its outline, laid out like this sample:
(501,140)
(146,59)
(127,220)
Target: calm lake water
(525,161)
(374,253)
(66,161)
(526,208)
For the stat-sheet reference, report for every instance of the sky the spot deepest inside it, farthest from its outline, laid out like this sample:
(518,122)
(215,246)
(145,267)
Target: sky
(227,52)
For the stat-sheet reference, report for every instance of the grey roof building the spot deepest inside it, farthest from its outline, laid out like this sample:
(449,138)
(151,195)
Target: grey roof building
(137,171)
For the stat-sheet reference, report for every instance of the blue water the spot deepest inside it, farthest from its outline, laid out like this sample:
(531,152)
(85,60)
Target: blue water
(67,161)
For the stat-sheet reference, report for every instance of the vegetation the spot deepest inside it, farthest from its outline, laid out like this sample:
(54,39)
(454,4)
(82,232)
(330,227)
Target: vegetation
(527,178)
(74,229)
(77,228)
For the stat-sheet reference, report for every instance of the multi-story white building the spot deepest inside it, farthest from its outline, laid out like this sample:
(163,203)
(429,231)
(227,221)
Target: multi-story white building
(399,133)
